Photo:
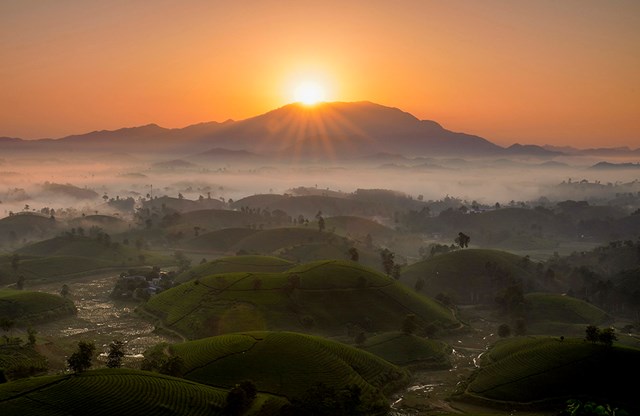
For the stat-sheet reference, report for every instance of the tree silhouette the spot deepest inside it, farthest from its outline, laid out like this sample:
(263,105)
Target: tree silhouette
(115,355)
(80,360)
(462,240)
(388,262)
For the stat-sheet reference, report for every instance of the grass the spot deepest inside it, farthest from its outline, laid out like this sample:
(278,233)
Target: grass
(19,361)
(106,392)
(285,363)
(233,264)
(545,371)
(323,297)
(462,274)
(551,307)
(26,307)
(409,351)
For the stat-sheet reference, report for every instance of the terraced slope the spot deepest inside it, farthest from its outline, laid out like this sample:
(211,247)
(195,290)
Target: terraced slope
(26,307)
(409,350)
(285,363)
(18,361)
(553,314)
(468,275)
(49,268)
(544,371)
(234,264)
(268,241)
(358,227)
(322,297)
(219,240)
(109,392)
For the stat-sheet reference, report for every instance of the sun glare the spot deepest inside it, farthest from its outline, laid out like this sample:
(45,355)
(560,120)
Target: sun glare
(309,93)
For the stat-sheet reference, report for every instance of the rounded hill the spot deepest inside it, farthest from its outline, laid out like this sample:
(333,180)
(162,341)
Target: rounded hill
(408,350)
(219,240)
(108,392)
(304,360)
(542,371)
(26,307)
(469,275)
(323,297)
(233,264)
(550,313)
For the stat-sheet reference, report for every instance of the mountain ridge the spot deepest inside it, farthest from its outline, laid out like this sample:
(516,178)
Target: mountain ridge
(296,131)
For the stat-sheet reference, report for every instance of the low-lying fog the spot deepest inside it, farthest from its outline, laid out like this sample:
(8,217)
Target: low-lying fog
(32,181)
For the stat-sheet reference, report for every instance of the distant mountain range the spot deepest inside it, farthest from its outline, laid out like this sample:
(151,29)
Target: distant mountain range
(295,131)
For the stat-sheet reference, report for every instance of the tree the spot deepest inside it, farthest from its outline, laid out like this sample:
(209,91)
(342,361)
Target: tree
(607,336)
(592,333)
(65,291)
(20,282)
(80,360)
(240,397)
(31,336)
(504,331)
(388,262)
(115,355)
(419,284)
(353,254)
(462,240)
(321,224)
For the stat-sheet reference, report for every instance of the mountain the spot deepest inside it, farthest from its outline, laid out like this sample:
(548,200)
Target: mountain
(328,130)
(346,130)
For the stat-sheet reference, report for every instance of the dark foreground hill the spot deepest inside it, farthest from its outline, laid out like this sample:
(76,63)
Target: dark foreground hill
(324,297)
(109,392)
(543,372)
(286,364)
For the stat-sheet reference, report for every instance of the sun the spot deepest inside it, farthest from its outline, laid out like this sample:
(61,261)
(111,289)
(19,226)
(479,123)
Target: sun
(309,93)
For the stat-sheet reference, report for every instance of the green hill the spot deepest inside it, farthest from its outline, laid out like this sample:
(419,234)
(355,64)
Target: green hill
(285,363)
(268,241)
(322,297)
(49,268)
(542,371)
(26,307)
(107,223)
(556,314)
(17,228)
(18,361)
(109,392)
(358,227)
(410,351)
(235,264)
(469,275)
(219,240)
(210,220)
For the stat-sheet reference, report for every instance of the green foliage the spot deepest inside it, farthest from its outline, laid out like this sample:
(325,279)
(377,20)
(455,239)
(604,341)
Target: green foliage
(27,307)
(332,294)
(285,363)
(80,360)
(576,407)
(530,369)
(115,355)
(323,400)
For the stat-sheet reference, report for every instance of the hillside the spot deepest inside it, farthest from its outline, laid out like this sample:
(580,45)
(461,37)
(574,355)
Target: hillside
(15,229)
(555,314)
(218,240)
(410,351)
(531,372)
(264,357)
(27,307)
(324,297)
(469,275)
(235,264)
(108,392)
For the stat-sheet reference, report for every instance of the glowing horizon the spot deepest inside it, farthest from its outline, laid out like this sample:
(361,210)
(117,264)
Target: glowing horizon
(530,73)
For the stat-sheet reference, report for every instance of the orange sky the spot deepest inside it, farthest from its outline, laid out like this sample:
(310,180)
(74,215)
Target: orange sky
(541,72)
